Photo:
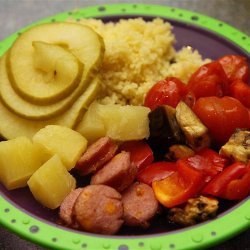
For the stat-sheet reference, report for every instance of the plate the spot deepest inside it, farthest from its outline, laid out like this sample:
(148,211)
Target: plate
(20,213)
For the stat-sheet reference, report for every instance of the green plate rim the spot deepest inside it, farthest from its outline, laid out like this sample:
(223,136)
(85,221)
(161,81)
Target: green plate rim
(198,237)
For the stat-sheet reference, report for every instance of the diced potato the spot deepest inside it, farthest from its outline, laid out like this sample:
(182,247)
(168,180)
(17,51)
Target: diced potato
(65,142)
(121,123)
(51,183)
(19,159)
(92,126)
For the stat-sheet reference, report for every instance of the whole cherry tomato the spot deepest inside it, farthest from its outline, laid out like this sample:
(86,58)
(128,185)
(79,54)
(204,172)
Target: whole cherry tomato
(222,116)
(209,80)
(165,92)
(241,91)
(235,67)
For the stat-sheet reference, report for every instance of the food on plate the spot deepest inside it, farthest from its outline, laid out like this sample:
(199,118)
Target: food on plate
(222,116)
(125,137)
(51,183)
(67,207)
(52,138)
(12,126)
(236,67)
(84,44)
(118,173)
(196,210)
(117,120)
(68,85)
(196,133)
(238,146)
(139,53)
(96,155)
(241,91)
(164,129)
(140,205)
(176,152)
(232,183)
(98,209)
(19,159)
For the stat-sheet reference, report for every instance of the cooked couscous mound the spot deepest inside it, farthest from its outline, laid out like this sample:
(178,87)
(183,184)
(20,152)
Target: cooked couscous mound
(137,55)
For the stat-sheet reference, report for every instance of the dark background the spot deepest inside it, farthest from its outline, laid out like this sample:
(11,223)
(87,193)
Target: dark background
(14,14)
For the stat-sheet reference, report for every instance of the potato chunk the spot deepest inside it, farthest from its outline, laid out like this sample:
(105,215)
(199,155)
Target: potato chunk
(51,183)
(65,142)
(19,159)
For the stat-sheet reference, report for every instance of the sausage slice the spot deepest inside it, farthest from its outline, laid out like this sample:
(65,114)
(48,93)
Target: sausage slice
(66,208)
(118,173)
(96,156)
(98,209)
(140,205)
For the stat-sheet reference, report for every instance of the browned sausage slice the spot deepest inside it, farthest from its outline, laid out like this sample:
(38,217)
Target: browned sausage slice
(66,208)
(140,205)
(117,173)
(96,155)
(98,209)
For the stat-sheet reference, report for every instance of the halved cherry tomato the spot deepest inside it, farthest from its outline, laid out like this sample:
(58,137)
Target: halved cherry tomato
(209,80)
(241,91)
(221,116)
(140,153)
(165,92)
(156,171)
(178,187)
(238,189)
(235,67)
(217,186)
(209,162)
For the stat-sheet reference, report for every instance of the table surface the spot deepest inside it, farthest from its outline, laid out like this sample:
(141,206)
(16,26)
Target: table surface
(14,14)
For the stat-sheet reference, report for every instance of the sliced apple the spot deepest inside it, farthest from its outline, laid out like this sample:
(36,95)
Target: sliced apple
(12,125)
(85,44)
(56,72)
(20,106)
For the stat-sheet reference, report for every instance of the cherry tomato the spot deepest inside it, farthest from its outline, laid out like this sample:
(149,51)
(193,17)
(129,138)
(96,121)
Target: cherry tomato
(209,162)
(218,186)
(165,92)
(209,80)
(221,116)
(241,91)
(140,153)
(178,187)
(156,171)
(235,67)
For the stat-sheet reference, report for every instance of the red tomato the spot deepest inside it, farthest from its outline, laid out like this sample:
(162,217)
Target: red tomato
(221,116)
(209,162)
(156,171)
(209,80)
(178,187)
(241,91)
(218,185)
(165,92)
(235,67)
(140,153)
